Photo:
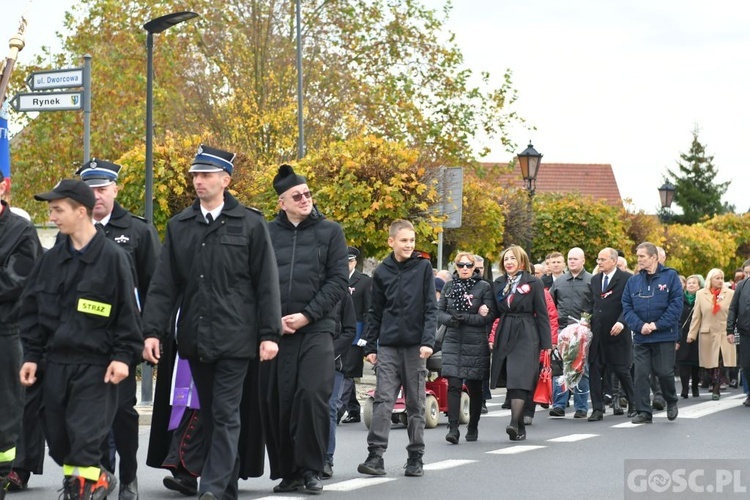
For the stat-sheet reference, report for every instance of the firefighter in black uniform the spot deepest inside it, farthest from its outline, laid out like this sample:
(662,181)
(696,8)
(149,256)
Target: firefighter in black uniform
(19,250)
(141,241)
(79,312)
(218,267)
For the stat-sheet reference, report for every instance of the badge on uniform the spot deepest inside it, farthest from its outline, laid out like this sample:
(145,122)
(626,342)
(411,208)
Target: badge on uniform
(94,307)
(122,239)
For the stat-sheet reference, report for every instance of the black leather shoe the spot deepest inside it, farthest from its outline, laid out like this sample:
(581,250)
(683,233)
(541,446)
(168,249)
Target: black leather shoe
(607,399)
(484,408)
(579,414)
(515,433)
(129,491)
(596,415)
(557,412)
(672,411)
(313,484)
(746,402)
(327,471)
(183,484)
(659,403)
(351,418)
(288,485)
(617,407)
(642,418)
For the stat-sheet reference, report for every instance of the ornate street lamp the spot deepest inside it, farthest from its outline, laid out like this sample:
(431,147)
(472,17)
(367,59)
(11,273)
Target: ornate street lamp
(529,160)
(666,195)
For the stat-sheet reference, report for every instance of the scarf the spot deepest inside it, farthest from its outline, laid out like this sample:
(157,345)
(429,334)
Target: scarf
(717,306)
(690,299)
(510,286)
(460,293)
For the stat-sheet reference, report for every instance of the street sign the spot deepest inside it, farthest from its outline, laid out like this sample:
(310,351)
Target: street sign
(55,79)
(48,101)
(453,193)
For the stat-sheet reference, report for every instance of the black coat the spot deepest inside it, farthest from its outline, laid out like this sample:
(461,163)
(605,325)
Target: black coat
(346,331)
(522,333)
(404,307)
(687,354)
(607,310)
(466,353)
(360,286)
(223,278)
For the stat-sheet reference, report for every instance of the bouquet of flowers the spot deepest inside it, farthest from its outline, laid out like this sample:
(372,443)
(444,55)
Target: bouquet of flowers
(573,343)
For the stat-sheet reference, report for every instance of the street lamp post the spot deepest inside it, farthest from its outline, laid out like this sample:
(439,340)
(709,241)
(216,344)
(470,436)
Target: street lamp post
(156,25)
(666,195)
(530,160)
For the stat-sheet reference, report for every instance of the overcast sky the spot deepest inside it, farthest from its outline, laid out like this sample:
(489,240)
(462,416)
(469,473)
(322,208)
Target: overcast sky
(622,83)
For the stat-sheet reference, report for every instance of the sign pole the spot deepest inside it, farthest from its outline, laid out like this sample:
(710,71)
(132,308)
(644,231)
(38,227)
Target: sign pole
(86,108)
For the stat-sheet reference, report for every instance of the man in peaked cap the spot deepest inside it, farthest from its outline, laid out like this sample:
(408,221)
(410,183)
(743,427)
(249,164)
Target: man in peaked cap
(217,275)
(360,286)
(79,315)
(140,240)
(311,254)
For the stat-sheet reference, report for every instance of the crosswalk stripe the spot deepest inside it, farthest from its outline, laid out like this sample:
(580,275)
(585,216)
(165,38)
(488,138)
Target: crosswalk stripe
(626,425)
(355,484)
(572,438)
(513,450)
(497,413)
(447,464)
(703,409)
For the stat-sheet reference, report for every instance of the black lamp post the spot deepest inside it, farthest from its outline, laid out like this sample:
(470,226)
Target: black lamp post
(666,195)
(530,160)
(155,26)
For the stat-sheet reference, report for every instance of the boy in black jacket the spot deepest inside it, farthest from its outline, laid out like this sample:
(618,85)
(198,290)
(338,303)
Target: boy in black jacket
(400,336)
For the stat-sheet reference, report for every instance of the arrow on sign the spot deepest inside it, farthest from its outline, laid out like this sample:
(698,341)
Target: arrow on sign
(48,101)
(55,79)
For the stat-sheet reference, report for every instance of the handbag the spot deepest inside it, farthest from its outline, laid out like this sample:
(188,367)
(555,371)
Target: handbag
(543,391)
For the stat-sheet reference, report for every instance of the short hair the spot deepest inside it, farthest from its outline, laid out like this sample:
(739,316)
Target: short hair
(555,255)
(76,205)
(697,277)
(468,255)
(713,272)
(478,259)
(397,225)
(745,264)
(521,257)
(648,246)
(612,253)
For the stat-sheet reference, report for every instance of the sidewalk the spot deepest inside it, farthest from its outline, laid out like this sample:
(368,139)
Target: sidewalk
(364,384)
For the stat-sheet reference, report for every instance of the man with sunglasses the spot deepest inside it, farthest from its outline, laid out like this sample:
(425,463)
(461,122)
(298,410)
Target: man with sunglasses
(652,305)
(311,254)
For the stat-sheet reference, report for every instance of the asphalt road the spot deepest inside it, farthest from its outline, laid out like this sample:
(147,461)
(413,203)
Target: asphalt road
(563,458)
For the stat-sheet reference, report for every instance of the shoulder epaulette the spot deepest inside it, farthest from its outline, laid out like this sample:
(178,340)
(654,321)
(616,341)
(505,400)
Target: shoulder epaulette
(138,217)
(254,210)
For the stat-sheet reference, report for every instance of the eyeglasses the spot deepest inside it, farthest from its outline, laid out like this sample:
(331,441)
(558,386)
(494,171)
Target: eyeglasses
(466,265)
(298,196)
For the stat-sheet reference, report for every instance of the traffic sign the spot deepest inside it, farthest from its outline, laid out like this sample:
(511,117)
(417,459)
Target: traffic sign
(55,79)
(48,101)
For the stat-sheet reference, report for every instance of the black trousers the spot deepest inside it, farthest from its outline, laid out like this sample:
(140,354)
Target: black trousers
(657,358)
(11,395)
(78,410)
(125,432)
(476,395)
(187,449)
(219,387)
(598,370)
(30,444)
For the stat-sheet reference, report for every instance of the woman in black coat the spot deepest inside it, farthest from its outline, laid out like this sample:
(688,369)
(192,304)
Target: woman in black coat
(523,332)
(464,308)
(687,353)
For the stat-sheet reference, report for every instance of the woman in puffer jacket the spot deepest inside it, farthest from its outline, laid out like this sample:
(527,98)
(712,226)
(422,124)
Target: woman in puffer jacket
(466,307)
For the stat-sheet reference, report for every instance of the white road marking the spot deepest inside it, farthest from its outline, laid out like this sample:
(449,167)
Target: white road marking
(626,425)
(512,450)
(494,413)
(355,484)
(702,409)
(571,438)
(447,464)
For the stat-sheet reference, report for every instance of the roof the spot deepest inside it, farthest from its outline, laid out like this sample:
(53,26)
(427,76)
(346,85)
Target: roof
(595,180)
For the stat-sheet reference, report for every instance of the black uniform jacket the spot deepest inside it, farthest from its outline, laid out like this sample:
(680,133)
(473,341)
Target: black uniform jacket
(313,271)
(360,287)
(403,311)
(346,329)
(19,250)
(607,310)
(81,308)
(223,279)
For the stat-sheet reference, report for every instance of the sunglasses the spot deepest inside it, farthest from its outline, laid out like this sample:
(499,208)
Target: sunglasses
(298,196)
(466,265)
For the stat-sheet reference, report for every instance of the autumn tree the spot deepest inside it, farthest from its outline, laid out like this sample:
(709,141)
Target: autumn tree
(696,191)
(696,249)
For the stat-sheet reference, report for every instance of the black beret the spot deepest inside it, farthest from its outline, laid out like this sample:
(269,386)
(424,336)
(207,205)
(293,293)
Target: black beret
(286,179)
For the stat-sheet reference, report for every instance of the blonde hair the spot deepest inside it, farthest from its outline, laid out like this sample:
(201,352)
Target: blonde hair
(523,260)
(397,225)
(468,255)
(713,272)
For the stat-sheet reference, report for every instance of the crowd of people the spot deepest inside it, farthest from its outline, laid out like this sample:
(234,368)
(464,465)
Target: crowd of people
(260,329)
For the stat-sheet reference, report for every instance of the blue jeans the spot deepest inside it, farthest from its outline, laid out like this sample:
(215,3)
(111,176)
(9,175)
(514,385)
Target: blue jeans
(580,393)
(333,403)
